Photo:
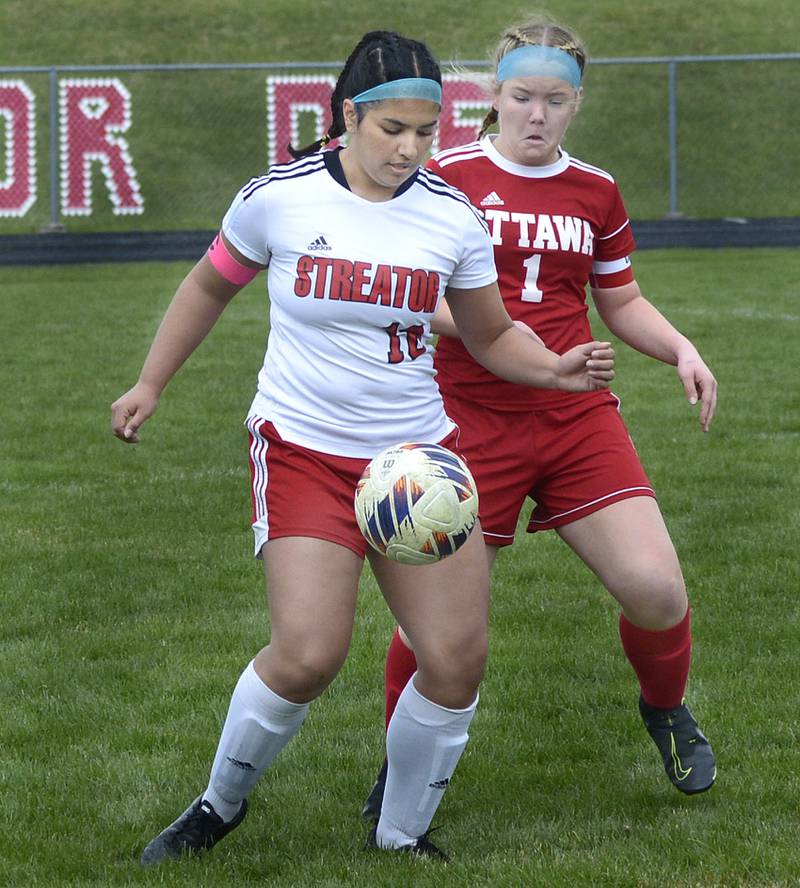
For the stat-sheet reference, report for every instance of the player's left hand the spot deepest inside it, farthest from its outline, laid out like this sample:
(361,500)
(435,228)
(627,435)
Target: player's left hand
(699,384)
(586,368)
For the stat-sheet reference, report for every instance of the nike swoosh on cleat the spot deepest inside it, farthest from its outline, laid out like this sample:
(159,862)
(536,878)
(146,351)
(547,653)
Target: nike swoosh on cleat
(680,772)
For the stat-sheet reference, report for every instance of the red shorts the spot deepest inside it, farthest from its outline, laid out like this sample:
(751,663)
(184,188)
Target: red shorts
(300,492)
(571,461)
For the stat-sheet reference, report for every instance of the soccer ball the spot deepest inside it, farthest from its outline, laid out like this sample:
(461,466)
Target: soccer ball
(416,503)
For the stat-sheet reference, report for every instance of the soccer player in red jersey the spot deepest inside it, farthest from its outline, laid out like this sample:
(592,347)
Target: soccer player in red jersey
(558,224)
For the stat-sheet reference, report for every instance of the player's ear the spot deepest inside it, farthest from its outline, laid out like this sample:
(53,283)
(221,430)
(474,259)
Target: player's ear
(578,101)
(350,116)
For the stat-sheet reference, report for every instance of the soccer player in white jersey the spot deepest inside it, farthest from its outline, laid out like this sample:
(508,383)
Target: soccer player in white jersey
(361,245)
(558,224)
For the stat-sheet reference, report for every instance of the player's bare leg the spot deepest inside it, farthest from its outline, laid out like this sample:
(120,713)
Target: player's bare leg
(491,557)
(628,546)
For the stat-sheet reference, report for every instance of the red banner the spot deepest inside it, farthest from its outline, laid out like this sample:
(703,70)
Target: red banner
(92,115)
(18,175)
(464,105)
(95,112)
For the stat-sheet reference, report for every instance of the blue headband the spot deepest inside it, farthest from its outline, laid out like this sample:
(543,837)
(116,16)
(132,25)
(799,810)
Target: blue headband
(405,88)
(539,61)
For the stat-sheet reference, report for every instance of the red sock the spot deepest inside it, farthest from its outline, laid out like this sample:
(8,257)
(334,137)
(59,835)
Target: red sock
(401,664)
(660,658)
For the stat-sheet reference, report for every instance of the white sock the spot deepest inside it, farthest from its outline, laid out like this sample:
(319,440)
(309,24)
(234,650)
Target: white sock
(423,745)
(259,724)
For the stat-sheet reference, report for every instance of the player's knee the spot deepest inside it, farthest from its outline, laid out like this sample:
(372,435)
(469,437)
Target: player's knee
(471,667)
(308,667)
(655,598)
(460,662)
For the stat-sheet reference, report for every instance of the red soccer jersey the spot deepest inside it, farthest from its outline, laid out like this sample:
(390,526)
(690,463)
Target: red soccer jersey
(553,229)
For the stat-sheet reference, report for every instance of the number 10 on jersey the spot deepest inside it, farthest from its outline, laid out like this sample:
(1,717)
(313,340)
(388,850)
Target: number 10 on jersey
(413,337)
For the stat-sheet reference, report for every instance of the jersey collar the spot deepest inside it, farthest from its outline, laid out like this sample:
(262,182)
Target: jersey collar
(518,169)
(333,164)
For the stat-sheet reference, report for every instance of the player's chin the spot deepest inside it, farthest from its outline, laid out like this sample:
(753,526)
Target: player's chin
(400,173)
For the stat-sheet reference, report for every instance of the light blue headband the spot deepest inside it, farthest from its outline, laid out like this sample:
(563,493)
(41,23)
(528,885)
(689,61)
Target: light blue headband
(405,88)
(539,61)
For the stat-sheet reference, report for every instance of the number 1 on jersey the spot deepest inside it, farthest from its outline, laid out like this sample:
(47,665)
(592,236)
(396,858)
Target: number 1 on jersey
(531,291)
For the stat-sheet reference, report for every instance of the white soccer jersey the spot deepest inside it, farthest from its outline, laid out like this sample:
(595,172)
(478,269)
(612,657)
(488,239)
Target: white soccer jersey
(353,285)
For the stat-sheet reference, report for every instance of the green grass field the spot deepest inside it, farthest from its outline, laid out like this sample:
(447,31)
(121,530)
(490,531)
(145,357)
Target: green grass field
(131,602)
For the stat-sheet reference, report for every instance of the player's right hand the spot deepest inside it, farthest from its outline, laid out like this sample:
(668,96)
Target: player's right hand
(586,368)
(131,410)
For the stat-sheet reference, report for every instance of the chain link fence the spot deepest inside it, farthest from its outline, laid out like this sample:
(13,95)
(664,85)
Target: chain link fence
(165,147)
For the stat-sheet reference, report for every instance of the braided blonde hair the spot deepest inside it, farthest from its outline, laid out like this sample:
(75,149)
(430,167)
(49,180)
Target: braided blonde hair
(537,31)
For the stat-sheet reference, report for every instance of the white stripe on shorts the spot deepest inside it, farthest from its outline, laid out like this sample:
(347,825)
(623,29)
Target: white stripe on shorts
(258,460)
(594,502)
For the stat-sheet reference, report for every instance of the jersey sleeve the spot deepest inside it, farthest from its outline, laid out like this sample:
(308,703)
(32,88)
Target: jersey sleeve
(612,265)
(476,267)
(246,224)
(432,164)
(448,173)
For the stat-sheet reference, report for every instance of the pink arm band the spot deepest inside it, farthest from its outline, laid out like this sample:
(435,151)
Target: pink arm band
(229,267)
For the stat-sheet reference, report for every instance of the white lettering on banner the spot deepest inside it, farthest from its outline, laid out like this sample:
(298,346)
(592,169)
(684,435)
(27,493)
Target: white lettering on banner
(18,120)
(92,114)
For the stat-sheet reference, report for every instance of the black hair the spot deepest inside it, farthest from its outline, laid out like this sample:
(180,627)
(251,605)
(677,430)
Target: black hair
(380,56)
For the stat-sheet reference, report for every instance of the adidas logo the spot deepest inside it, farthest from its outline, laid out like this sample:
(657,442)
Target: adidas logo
(492,199)
(243,766)
(440,784)
(319,244)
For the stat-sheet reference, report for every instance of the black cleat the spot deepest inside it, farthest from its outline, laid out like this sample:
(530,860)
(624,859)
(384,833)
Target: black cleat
(198,829)
(687,754)
(372,807)
(422,846)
